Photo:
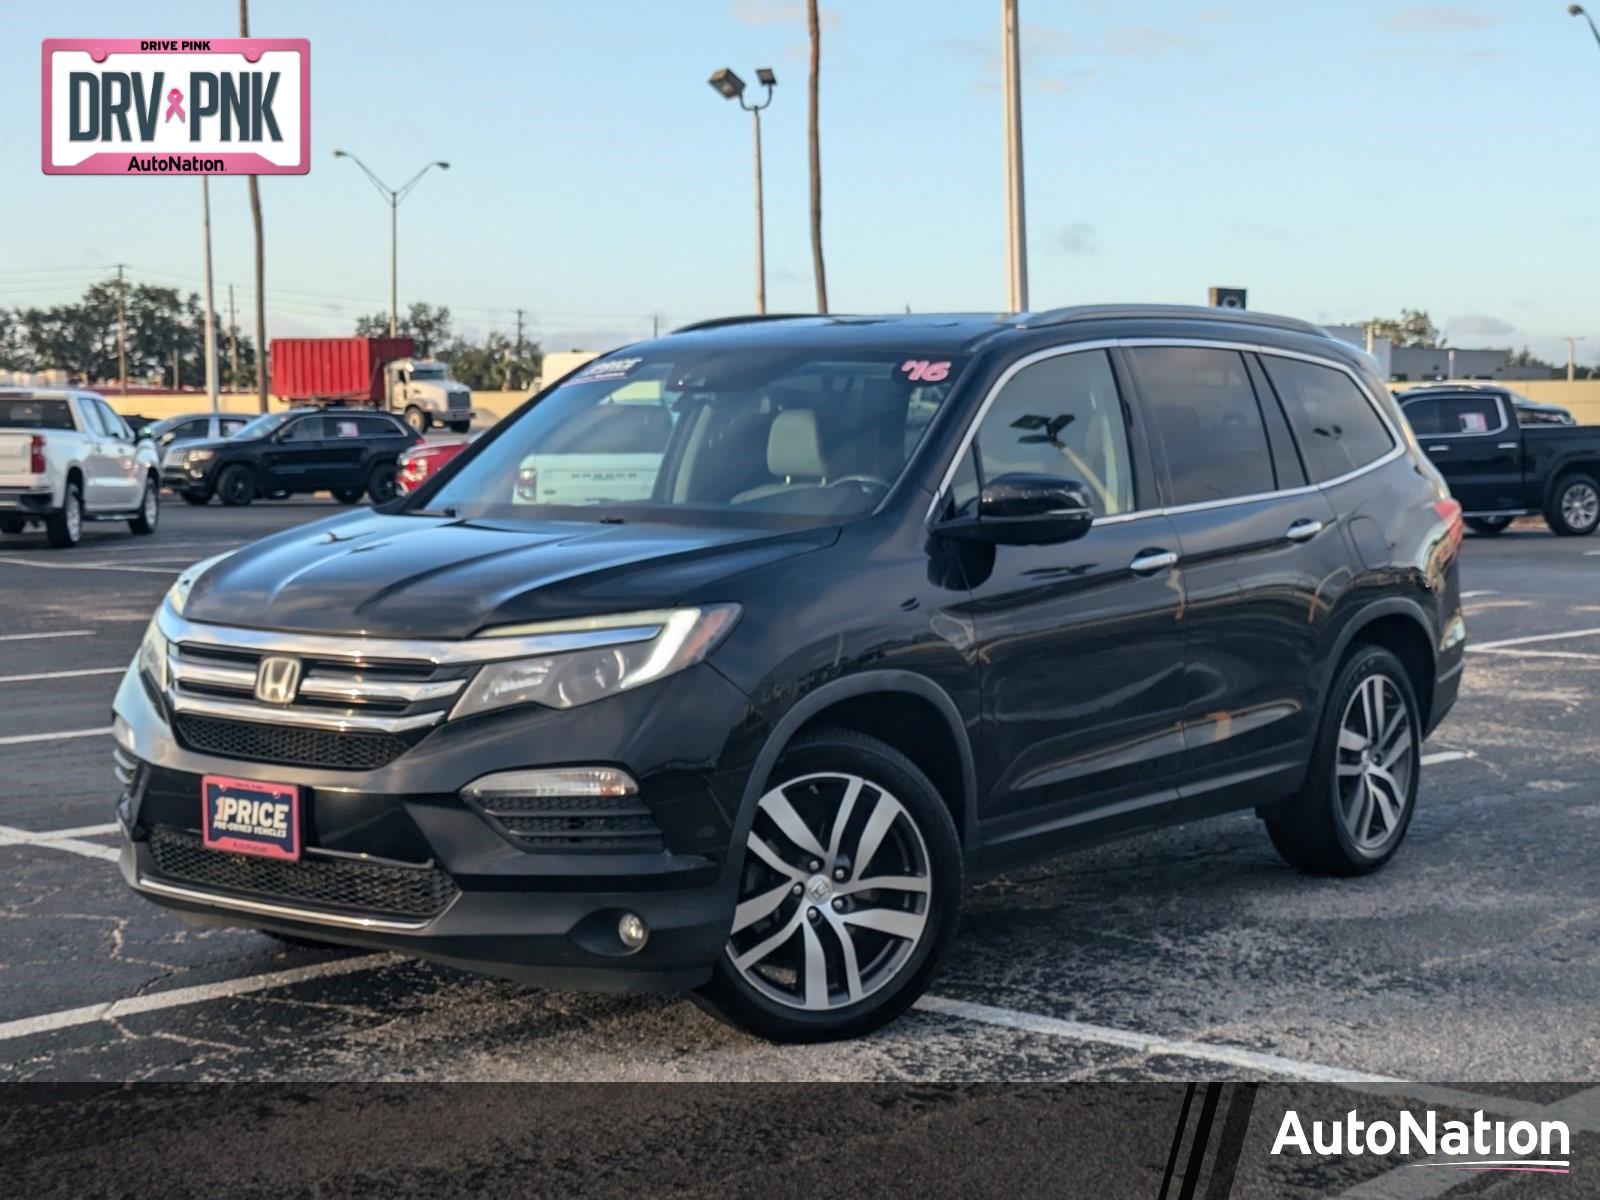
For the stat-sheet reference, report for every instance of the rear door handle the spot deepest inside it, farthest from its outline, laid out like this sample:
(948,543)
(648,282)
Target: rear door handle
(1437,449)
(1507,446)
(1148,562)
(1304,530)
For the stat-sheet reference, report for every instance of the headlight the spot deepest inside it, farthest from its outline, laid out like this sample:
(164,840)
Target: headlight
(178,593)
(153,655)
(682,637)
(197,456)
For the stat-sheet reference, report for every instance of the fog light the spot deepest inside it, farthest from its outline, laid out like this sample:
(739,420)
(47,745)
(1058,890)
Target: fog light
(633,931)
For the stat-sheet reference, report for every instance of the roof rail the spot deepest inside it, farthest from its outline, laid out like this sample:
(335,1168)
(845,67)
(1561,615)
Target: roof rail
(1100,312)
(1465,385)
(747,319)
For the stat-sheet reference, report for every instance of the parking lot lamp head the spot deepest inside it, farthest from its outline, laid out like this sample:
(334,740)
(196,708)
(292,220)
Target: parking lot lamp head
(1577,10)
(727,83)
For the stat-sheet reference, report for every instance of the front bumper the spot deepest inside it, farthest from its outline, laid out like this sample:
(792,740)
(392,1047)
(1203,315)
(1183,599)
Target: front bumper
(543,916)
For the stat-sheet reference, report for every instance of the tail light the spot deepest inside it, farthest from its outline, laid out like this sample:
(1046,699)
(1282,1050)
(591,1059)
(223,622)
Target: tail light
(1449,511)
(36,454)
(528,485)
(413,470)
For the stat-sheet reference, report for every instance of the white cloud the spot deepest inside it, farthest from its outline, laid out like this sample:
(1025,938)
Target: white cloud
(1079,237)
(1434,17)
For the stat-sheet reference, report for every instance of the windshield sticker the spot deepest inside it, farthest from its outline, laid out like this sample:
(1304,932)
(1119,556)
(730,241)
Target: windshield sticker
(920,370)
(609,368)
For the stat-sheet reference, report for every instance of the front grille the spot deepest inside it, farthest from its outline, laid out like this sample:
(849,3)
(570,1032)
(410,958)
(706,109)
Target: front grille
(612,823)
(460,399)
(288,745)
(363,887)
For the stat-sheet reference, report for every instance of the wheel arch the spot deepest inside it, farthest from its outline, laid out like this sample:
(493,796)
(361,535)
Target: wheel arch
(878,703)
(1577,464)
(1400,626)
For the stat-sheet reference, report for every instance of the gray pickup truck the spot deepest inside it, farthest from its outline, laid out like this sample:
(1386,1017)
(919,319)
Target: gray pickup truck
(66,457)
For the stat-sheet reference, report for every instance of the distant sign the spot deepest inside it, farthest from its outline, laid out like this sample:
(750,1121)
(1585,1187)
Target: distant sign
(168,106)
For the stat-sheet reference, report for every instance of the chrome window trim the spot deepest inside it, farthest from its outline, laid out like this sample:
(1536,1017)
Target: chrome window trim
(261,908)
(1397,448)
(1500,406)
(357,650)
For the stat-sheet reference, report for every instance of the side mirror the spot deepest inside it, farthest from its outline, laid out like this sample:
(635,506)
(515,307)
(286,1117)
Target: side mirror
(1027,510)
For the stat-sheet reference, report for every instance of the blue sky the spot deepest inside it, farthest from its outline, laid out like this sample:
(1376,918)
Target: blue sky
(1340,159)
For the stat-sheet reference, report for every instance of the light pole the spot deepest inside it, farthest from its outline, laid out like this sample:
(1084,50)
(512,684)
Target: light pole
(1577,10)
(393,196)
(731,87)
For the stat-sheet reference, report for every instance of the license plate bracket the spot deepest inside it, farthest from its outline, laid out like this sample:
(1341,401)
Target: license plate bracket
(250,816)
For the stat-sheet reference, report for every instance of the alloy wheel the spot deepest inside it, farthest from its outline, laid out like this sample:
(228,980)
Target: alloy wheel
(835,893)
(1580,505)
(152,505)
(1375,762)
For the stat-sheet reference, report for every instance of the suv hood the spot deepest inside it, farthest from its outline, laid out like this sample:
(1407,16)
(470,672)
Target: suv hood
(432,577)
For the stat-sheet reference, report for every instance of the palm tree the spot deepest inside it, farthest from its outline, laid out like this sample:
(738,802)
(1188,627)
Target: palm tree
(817,268)
(261,289)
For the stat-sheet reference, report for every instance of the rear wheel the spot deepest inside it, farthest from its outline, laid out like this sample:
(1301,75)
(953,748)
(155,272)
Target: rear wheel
(417,419)
(10,524)
(381,485)
(65,526)
(149,509)
(1574,508)
(1488,526)
(460,426)
(236,487)
(1356,805)
(848,896)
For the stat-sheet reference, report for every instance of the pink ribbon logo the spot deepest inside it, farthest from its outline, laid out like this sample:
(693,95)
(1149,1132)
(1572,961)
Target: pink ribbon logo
(174,106)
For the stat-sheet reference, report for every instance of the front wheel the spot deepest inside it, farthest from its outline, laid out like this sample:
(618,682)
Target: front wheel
(149,509)
(848,896)
(198,499)
(460,426)
(381,484)
(1488,526)
(348,495)
(1574,508)
(1354,810)
(236,487)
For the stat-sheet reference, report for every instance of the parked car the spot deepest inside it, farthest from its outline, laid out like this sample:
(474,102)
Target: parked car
(349,452)
(419,463)
(910,600)
(1499,467)
(66,457)
(191,427)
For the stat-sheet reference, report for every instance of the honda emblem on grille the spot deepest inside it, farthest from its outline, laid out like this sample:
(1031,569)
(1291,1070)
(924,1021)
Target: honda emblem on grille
(277,680)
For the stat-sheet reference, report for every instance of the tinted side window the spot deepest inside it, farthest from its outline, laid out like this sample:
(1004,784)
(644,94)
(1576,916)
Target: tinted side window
(1423,416)
(1205,410)
(1468,415)
(306,429)
(1336,425)
(376,427)
(1062,416)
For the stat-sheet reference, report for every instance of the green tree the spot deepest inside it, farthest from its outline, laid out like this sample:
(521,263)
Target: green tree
(497,363)
(428,326)
(1413,327)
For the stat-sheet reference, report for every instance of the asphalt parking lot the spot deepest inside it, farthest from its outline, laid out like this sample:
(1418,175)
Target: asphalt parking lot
(1193,954)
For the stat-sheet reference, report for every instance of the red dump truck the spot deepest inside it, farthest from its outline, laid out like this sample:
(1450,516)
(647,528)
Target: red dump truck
(379,371)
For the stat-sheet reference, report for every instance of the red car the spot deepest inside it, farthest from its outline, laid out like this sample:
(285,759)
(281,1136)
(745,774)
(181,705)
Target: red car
(424,459)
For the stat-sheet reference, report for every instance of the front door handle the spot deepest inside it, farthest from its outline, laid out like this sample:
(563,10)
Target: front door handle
(1304,530)
(1437,449)
(1507,446)
(1148,562)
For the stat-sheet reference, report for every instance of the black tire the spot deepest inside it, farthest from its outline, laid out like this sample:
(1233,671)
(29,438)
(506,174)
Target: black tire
(65,526)
(381,484)
(236,487)
(921,831)
(460,426)
(1311,830)
(149,508)
(348,495)
(417,419)
(1574,506)
(9,524)
(1488,526)
(198,499)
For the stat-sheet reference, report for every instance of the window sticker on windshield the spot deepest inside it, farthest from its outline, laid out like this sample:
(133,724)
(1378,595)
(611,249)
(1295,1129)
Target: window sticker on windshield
(609,368)
(920,370)
(1474,422)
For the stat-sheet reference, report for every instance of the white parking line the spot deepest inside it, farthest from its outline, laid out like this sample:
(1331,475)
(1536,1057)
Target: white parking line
(1537,637)
(62,674)
(1510,653)
(29,637)
(11,836)
(1475,595)
(63,735)
(89,566)
(178,997)
(1444,756)
(1233,1056)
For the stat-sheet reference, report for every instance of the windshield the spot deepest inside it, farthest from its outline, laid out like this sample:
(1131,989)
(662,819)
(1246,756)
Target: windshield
(261,426)
(432,372)
(772,436)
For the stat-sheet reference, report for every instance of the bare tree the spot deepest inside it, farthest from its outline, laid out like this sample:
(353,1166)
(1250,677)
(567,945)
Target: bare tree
(815,27)
(261,287)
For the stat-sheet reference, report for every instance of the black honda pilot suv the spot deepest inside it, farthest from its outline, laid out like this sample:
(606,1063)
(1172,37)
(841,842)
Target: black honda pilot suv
(725,662)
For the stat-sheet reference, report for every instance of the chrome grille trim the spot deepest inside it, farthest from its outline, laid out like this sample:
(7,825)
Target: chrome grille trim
(317,685)
(331,719)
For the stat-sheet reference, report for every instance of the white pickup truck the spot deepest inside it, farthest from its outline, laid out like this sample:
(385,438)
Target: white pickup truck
(65,458)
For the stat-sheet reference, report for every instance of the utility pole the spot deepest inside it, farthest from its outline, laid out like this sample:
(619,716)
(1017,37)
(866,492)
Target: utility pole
(233,342)
(519,333)
(1016,219)
(1572,348)
(177,381)
(814,28)
(122,331)
(211,311)
(261,287)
